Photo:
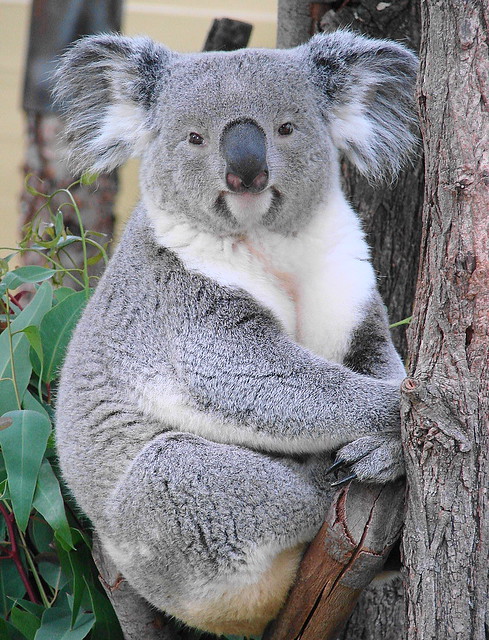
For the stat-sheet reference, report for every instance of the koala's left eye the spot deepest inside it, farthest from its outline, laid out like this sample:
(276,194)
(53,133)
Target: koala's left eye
(285,129)
(195,138)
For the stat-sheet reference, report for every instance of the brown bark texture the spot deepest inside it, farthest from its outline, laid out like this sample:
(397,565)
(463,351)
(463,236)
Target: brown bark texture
(446,399)
(359,531)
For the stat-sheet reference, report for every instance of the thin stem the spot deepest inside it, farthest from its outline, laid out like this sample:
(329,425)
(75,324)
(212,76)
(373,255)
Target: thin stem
(11,348)
(14,553)
(32,567)
(86,277)
(58,265)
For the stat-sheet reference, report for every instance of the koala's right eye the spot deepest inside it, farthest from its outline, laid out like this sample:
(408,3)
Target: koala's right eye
(195,138)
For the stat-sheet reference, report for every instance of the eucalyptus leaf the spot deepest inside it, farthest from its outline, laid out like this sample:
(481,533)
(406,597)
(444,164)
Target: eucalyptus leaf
(56,624)
(30,316)
(66,241)
(41,535)
(106,625)
(56,329)
(58,223)
(80,563)
(36,309)
(24,275)
(62,292)
(49,502)
(9,632)
(25,622)
(31,607)
(23,446)
(52,574)
(32,403)
(22,368)
(11,586)
(33,334)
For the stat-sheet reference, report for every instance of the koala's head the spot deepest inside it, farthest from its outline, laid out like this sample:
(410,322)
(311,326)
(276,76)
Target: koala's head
(235,140)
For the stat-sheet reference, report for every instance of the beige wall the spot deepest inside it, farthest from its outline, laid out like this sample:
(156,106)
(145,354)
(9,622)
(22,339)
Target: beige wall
(181,24)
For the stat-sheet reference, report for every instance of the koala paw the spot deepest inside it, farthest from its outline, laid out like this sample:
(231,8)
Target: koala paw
(376,458)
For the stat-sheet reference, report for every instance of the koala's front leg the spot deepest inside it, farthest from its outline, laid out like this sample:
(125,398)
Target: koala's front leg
(238,378)
(376,457)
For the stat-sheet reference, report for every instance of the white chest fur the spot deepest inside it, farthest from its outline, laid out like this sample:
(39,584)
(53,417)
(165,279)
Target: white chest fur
(315,282)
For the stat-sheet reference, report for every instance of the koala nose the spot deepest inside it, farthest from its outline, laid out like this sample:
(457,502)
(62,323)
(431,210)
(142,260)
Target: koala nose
(243,146)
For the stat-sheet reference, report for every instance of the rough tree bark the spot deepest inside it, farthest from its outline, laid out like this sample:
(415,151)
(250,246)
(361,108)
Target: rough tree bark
(446,399)
(392,219)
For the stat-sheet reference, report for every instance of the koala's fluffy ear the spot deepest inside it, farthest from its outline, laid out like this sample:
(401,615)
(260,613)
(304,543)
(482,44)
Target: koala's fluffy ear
(106,86)
(366,90)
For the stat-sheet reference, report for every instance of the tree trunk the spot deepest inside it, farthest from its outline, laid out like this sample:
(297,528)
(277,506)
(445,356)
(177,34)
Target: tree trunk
(392,220)
(446,400)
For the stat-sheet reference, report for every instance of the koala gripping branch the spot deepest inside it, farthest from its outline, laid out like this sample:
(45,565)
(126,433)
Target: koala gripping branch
(362,525)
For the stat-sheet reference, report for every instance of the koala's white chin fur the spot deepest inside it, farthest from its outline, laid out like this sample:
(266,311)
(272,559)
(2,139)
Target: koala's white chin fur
(248,208)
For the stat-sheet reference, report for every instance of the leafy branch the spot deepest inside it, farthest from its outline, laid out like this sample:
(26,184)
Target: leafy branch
(49,587)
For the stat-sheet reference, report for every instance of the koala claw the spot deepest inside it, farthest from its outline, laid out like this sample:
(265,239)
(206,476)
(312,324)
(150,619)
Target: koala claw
(335,466)
(376,458)
(338,483)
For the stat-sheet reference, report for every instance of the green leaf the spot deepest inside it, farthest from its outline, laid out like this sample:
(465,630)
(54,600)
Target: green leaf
(23,275)
(22,368)
(23,446)
(33,334)
(49,502)
(56,329)
(53,575)
(36,609)
(62,292)
(58,223)
(30,316)
(66,241)
(32,403)
(106,625)
(56,624)
(11,586)
(25,622)
(41,534)
(9,632)
(88,178)
(35,311)
(80,564)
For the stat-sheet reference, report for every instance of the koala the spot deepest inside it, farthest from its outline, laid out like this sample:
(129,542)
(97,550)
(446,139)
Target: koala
(236,341)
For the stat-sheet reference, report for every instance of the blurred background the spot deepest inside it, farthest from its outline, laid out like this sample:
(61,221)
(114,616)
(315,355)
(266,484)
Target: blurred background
(182,25)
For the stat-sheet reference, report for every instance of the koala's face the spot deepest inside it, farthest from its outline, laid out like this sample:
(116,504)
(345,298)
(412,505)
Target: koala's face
(241,143)
(234,141)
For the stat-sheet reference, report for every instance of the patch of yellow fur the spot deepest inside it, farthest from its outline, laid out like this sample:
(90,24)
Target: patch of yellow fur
(247,610)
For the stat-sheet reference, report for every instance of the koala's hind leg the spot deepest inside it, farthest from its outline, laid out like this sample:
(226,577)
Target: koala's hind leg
(212,533)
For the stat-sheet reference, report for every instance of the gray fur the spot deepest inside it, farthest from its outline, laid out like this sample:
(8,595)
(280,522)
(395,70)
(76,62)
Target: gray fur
(176,510)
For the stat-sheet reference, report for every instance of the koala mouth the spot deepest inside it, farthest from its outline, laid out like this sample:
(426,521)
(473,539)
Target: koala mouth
(245,210)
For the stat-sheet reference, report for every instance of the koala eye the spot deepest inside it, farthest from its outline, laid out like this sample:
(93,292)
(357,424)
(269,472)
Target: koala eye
(195,138)
(285,129)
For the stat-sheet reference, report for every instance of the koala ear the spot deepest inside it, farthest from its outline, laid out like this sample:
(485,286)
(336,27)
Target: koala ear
(106,87)
(366,90)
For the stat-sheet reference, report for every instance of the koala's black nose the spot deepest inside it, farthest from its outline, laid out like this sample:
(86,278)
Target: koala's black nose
(243,146)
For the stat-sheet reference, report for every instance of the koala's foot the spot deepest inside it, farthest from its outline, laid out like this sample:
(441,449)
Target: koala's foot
(375,458)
